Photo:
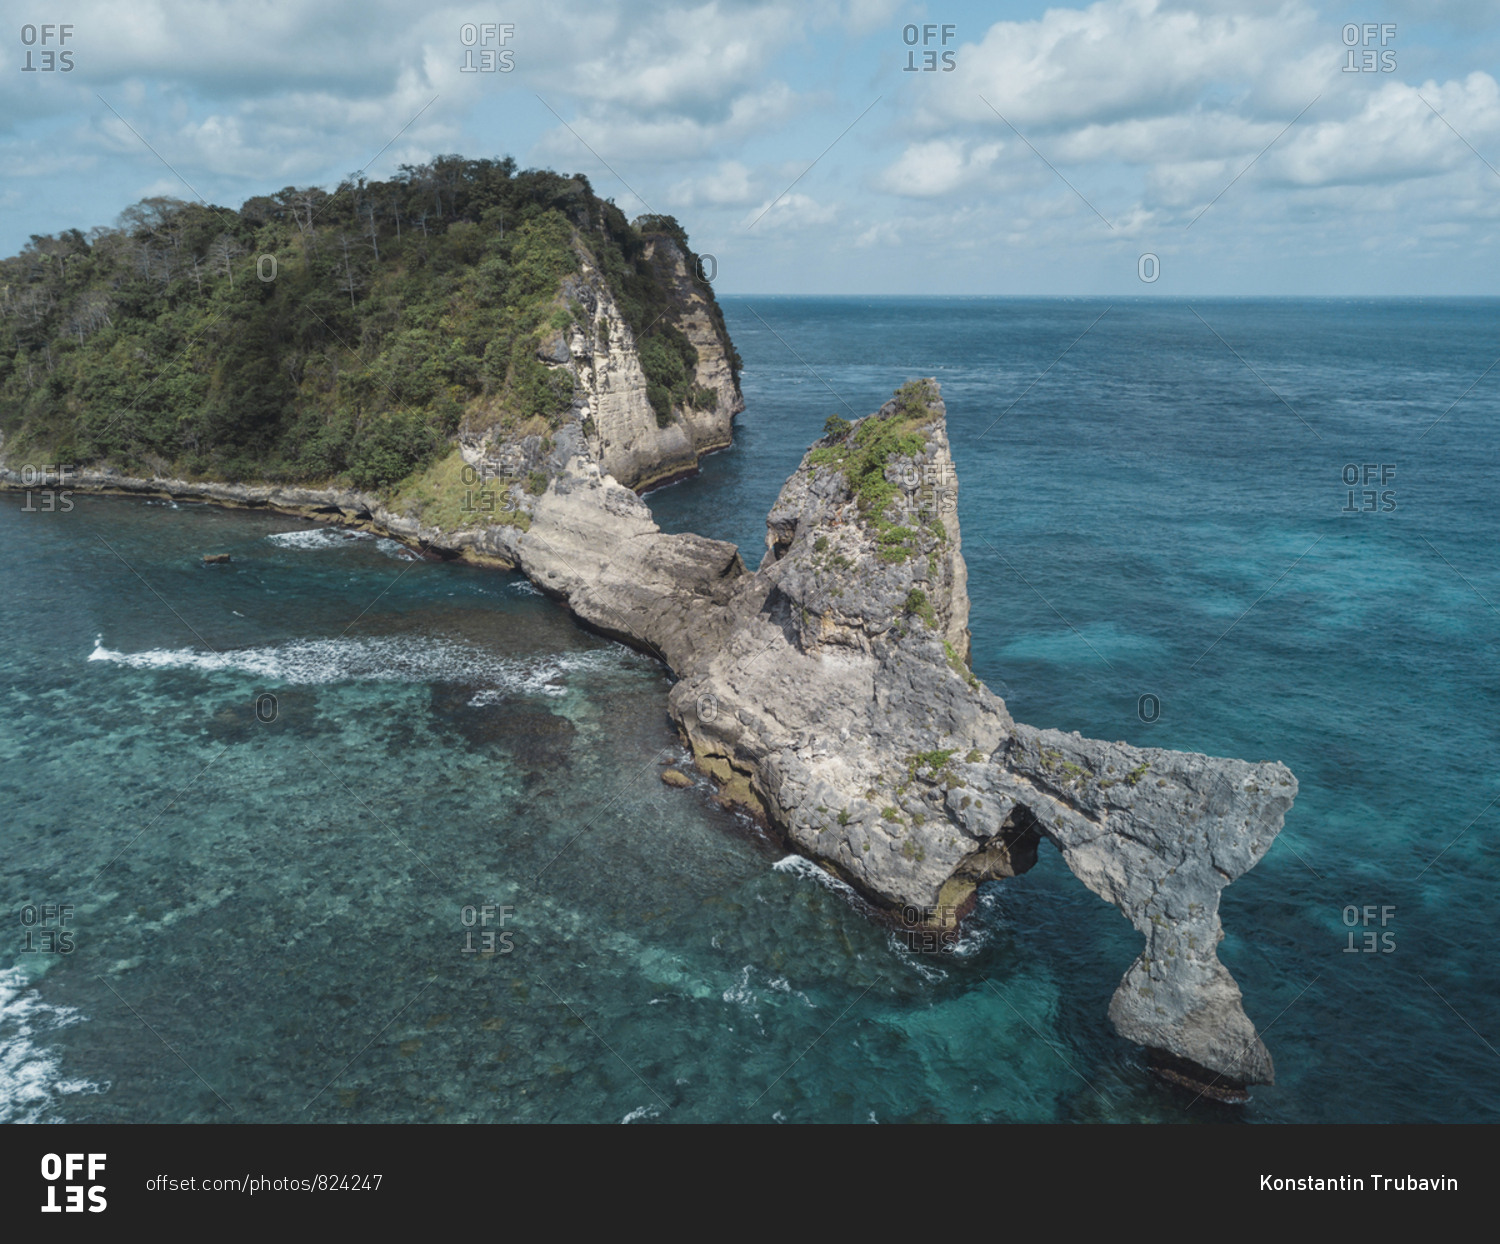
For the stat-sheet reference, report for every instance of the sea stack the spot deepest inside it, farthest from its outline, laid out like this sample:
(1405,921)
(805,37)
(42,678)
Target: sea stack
(830,692)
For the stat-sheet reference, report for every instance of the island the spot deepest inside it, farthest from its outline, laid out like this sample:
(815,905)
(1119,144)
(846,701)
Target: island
(828,691)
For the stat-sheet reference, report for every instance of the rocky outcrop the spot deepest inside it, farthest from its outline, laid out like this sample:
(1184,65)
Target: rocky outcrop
(829,692)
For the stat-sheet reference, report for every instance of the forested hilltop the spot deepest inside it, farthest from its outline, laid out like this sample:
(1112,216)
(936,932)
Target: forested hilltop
(347,337)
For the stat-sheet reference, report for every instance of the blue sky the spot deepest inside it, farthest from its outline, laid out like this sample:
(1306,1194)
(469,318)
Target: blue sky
(1228,140)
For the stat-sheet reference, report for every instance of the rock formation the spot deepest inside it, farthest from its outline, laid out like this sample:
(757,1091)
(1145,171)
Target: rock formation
(829,691)
(611,410)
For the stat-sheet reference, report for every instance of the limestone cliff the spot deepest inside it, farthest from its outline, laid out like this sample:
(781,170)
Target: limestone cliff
(622,431)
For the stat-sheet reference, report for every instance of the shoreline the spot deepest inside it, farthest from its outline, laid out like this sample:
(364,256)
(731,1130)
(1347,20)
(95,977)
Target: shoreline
(331,506)
(867,742)
(326,504)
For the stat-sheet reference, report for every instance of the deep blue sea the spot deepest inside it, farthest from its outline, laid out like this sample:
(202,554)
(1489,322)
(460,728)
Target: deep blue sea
(446,884)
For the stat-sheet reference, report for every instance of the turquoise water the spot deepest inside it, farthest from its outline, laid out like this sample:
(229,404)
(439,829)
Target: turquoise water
(285,919)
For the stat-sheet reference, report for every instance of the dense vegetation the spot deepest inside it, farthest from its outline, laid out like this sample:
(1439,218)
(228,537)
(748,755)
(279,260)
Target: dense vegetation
(312,336)
(861,451)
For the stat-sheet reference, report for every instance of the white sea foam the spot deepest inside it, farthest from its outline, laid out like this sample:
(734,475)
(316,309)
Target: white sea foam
(912,959)
(337,537)
(745,994)
(496,695)
(31,1081)
(781,985)
(394,548)
(973,937)
(641,1112)
(978,930)
(393,659)
(526,587)
(316,538)
(801,866)
(741,993)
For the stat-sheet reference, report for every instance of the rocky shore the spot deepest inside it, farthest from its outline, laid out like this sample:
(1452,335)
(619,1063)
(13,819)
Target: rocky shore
(829,692)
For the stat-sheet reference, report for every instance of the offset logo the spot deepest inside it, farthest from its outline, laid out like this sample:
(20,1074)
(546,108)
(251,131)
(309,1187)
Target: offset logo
(1369,473)
(490,39)
(46,930)
(42,497)
(43,46)
(54,1168)
(1364,918)
(1358,40)
(930,59)
(490,942)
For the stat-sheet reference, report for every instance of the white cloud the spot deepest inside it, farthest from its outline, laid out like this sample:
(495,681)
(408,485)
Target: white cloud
(1155,109)
(883,235)
(1151,108)
(662,136)
(728,184)
(791,211)
(861,17)
(1396,135)
(938,167)
(1119,59)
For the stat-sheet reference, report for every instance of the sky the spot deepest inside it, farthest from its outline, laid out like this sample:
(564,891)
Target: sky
(1149,147)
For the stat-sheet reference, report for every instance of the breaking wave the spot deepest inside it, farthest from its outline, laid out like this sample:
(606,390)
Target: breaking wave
(322,661)
(31,1079)
(316,538)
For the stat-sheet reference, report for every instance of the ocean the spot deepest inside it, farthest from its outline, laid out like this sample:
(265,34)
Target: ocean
(331,834)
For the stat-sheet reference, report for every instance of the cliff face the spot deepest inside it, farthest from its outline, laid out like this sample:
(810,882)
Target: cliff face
(624,434)
(699,318)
